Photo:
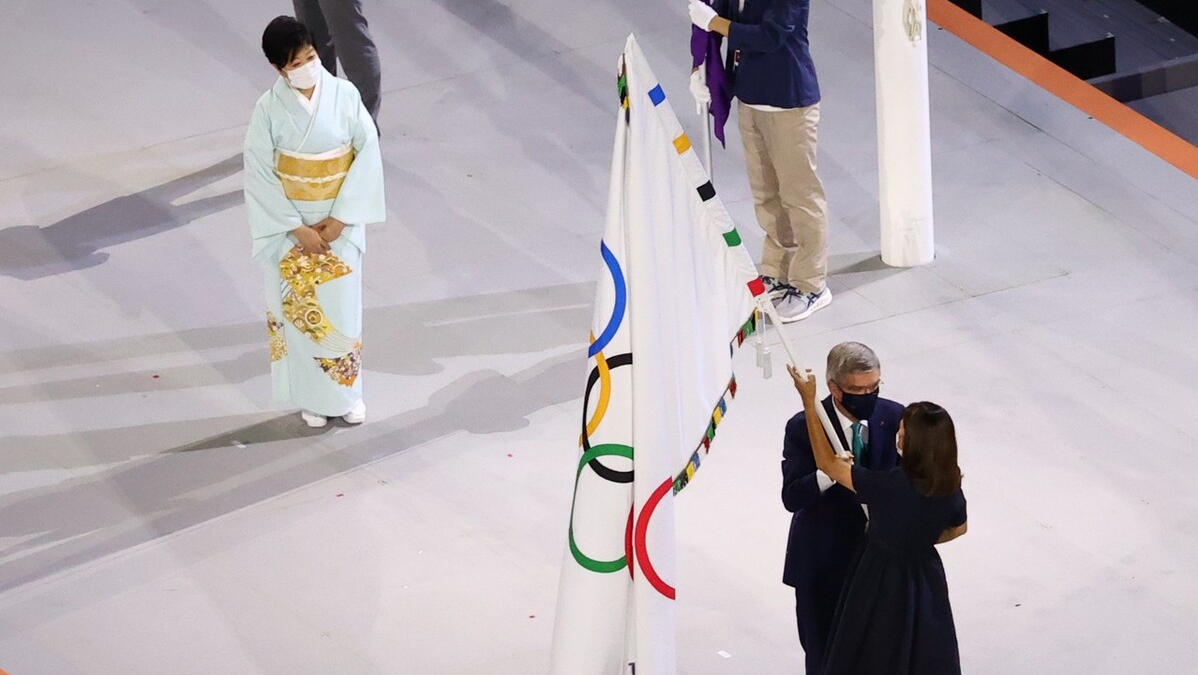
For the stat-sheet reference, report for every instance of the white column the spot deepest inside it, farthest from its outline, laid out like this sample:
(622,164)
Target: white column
(904,132)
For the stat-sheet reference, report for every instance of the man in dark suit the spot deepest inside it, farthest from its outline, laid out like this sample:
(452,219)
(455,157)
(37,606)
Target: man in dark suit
(828,521)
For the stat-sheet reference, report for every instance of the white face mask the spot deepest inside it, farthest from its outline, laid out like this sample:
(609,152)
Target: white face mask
(306,76)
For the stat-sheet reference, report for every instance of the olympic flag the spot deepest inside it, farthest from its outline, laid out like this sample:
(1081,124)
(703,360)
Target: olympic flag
(676,295)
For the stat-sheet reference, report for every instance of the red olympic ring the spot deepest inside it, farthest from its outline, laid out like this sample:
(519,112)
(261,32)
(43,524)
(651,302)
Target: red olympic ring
(642,532)
(628,544)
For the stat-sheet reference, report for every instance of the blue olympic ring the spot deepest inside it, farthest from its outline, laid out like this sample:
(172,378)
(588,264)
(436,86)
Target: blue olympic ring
(617,312)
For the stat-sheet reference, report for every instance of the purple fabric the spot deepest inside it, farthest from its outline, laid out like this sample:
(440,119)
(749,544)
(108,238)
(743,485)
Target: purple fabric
(705,48)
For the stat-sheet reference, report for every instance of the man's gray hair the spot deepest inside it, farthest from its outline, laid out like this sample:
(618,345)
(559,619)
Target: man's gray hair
(850,357)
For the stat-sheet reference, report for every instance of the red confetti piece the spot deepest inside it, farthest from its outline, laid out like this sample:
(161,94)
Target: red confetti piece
(156,377)
(340,494)
(532,616)
(510,455)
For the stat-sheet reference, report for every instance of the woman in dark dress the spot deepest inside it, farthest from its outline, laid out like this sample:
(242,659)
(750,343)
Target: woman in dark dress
(894,615)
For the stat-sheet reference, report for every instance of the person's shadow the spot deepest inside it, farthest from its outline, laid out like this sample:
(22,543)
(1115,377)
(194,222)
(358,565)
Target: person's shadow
(29,252)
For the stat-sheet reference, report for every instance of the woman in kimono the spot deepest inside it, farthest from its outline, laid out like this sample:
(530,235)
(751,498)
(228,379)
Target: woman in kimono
(313,181)
(894,615)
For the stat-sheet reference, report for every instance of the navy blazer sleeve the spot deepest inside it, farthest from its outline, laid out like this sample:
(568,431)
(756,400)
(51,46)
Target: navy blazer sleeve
(781,19)
(800,488)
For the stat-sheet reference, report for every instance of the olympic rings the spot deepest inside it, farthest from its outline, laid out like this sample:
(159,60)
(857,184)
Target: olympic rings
(605,366)
(600,566)
(642,534)
(617,312)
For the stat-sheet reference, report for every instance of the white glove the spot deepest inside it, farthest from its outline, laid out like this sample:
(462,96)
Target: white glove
(699,90)
(701,14)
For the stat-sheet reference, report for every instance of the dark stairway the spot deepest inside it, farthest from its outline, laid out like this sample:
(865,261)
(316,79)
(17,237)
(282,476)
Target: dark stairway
(1138,51)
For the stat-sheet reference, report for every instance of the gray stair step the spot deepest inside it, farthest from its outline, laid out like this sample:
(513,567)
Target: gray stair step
(1142,39)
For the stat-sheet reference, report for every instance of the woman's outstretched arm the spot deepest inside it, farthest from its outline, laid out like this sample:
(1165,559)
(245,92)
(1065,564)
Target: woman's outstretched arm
(827,461)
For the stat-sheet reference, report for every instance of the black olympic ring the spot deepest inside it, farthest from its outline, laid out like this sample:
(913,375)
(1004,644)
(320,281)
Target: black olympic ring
(598,467)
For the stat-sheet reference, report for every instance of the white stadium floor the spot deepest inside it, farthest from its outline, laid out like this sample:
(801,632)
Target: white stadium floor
(158,515)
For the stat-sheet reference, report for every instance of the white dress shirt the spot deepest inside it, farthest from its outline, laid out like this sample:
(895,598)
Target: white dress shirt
(824,480)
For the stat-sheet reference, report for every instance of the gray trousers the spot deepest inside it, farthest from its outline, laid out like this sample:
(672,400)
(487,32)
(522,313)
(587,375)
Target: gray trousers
(340,32)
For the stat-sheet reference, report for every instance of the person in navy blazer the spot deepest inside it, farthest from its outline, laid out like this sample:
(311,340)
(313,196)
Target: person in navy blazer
(828,522)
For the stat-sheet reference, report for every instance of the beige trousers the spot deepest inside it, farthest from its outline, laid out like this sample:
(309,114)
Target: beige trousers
(787,193)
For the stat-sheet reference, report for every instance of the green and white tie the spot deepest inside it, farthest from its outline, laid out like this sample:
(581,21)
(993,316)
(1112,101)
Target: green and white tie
(858,444)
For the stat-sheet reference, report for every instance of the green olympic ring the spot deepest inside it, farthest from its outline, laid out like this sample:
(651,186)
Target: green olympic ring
(600,566)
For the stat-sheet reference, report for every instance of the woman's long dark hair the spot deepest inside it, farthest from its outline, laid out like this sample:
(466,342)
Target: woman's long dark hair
(930,450)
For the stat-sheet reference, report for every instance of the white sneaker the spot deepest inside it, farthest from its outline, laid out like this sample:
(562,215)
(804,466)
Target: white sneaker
(798,305)
(775,289)
(357,415)
(313,420)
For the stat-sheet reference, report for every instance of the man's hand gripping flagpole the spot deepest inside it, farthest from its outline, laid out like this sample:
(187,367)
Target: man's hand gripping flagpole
(767,307)
(701,15)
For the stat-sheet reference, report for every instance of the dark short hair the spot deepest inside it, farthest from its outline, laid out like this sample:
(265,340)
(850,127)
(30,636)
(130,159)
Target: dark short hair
(930,450)
(283,38)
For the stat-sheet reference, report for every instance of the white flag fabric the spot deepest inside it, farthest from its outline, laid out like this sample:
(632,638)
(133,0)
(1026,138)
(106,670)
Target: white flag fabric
(676,295)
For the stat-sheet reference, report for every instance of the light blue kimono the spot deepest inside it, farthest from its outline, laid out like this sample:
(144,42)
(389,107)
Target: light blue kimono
(314,303)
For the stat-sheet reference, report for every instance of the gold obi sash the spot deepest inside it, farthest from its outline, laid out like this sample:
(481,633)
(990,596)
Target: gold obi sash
(313,178)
